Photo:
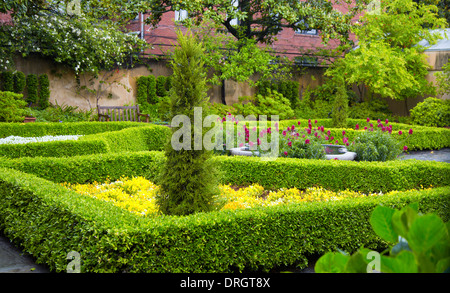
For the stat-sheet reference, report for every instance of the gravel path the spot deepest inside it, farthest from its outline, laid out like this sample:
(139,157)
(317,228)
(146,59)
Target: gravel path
(442,155)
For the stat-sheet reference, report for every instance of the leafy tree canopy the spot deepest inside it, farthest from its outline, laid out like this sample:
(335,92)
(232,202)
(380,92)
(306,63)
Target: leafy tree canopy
(260,20)
(388,59)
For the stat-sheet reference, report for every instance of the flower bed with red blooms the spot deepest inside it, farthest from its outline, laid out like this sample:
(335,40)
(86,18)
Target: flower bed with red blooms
(371,143)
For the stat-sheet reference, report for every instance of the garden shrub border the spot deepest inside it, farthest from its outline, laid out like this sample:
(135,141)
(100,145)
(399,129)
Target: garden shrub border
(72,128)
(48,221)
(241,170)
(151,137)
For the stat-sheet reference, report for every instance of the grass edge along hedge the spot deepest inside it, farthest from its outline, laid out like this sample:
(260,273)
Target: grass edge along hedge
(241,170)
(49,221)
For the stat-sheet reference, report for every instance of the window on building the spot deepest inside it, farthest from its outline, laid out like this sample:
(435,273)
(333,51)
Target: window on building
(235,21)
(309,61)
(307,31)
(181,15)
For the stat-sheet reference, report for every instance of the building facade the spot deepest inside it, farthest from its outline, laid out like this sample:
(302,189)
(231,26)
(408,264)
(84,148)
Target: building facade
(289,42)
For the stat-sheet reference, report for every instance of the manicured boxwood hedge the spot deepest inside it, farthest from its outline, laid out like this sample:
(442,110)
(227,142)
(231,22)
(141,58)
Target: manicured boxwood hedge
(280,173)
(151,137)
(65,148)
(73,128)
(48,221)
(334,175)
(91,168)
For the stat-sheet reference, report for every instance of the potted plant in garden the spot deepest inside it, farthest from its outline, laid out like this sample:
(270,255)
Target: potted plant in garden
(29,116)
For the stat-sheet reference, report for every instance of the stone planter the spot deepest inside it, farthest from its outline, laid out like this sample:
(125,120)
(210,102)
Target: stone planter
(338,152)
(29,119)
(333,152)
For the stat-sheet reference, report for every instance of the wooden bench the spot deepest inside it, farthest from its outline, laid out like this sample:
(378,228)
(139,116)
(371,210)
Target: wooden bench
(121,113)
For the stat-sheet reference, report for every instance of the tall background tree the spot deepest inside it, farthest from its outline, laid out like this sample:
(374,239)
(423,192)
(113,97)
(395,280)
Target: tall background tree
(243,28)
(388,61)
(442,5)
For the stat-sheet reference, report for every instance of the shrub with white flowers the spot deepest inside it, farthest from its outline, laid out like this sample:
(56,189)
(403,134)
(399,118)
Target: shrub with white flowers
(83,44)
(22,140)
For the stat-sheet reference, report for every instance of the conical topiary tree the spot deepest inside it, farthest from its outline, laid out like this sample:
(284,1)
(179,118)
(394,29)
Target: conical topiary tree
(188,181)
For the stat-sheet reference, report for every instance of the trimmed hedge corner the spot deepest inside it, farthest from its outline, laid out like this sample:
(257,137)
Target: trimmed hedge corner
(49,221)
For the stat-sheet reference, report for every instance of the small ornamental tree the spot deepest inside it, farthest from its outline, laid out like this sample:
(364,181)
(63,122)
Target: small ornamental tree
(19,82)
(188,181)
(161,86)
(152,98)
(32,88)
(7,81)
(142,90)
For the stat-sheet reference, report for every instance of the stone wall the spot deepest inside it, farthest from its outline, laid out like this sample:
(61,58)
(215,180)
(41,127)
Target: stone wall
(63,86)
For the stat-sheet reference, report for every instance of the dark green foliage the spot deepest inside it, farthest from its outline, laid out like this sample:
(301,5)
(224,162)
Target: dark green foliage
(19,82)
(142,90)
(152,97)
(32,88)
(293,96)
(432,112)
(263,87)
(7,81)
(161,86)
(168,84)
(44,91)
(47,221)
(188,182)
(11,107)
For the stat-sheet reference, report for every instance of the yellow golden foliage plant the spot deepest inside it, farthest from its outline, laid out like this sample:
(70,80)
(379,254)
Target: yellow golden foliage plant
(137,195)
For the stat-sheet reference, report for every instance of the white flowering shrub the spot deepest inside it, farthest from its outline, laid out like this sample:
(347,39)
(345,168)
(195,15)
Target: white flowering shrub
(85,45)
(22,140)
